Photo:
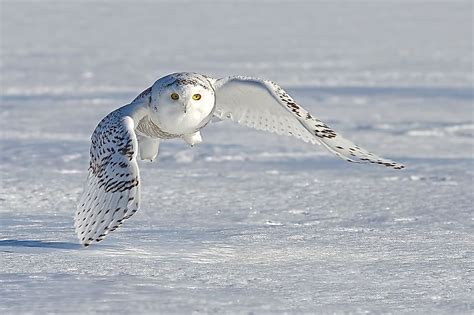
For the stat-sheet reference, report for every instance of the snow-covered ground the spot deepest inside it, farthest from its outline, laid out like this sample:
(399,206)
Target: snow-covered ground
(247,221)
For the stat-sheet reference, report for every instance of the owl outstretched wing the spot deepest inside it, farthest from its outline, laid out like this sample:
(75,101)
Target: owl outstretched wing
(264,105)
(112,191)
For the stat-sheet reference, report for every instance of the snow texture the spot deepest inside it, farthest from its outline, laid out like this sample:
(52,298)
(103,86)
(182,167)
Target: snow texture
(247,221)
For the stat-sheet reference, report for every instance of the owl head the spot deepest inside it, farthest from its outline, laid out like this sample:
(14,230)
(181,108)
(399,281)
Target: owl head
(181,103)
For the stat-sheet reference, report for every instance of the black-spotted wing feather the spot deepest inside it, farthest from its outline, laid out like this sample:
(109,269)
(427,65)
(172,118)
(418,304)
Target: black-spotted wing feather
(264,105)
(112,192)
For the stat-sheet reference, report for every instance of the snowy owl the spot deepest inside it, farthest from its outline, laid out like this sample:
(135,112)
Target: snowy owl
(179,105)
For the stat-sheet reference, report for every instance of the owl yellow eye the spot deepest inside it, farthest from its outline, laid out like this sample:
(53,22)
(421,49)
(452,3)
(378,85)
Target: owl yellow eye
(174,96)
(196,97)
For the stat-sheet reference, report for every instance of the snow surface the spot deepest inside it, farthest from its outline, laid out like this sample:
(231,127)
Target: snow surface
(247,221)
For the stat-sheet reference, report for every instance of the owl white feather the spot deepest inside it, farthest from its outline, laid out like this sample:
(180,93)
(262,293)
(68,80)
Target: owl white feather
(179,105)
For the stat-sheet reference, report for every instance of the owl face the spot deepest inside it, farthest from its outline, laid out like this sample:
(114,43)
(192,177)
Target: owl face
(182,103)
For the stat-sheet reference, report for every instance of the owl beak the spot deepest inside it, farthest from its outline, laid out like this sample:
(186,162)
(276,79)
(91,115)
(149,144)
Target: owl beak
(187,107)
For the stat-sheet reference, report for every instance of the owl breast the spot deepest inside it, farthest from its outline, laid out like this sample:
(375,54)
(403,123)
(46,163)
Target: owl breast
(172,126)
(148,128)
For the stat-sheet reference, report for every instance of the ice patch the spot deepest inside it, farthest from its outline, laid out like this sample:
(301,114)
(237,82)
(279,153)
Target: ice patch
(274,223)
(40,135)
(405,219)
(272,172)
(71,157)
(70,171)
(463,130)
(428,178)
(225,158)
(298,211)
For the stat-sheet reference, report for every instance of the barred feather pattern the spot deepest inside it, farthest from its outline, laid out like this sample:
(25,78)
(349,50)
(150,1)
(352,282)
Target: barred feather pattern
(264,105)
(112,191)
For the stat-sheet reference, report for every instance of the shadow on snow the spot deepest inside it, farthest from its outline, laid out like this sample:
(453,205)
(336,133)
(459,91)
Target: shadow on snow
(40,244)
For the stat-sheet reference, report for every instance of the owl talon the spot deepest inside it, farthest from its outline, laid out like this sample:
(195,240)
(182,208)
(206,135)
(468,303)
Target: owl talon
(193,138)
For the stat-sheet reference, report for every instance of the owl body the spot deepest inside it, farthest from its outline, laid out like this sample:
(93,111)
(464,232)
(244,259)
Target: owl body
(179,105)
